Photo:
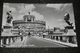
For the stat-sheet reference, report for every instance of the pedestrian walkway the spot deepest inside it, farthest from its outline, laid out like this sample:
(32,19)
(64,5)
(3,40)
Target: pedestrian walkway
(20,43)
(17,43)
(59,42)
(64,43)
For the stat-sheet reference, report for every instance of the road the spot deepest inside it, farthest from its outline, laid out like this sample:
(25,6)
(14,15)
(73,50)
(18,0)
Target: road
(35,41)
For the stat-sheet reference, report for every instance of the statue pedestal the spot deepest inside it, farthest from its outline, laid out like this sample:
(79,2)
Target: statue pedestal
(7,31)
(70,34)
(69,30)
(6,35)
(69,27)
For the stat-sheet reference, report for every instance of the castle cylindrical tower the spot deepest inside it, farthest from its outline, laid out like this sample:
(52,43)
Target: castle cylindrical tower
(29,18)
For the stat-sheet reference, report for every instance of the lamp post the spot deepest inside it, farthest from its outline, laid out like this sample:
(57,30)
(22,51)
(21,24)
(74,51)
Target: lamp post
(48,29)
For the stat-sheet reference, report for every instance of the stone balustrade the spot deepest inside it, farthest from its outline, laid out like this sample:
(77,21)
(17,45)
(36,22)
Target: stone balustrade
(7,40)
(63,38)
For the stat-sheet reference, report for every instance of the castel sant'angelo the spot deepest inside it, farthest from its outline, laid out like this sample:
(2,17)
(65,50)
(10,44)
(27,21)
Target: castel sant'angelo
(29,24)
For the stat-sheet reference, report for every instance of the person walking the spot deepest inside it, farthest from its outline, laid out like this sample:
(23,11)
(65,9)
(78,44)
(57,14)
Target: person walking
(29,34)
(21,34)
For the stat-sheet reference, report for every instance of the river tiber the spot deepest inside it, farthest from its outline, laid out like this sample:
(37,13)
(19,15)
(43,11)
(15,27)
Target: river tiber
(38,25)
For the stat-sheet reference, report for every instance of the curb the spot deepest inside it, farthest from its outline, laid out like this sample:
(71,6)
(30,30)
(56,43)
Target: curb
(61,43)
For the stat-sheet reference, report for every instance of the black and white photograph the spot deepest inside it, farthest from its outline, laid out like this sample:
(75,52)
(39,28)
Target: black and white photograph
(38,25)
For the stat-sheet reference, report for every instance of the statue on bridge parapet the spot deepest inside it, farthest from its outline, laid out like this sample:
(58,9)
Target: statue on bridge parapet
(67,20)
(70,34)
(7,30)
(9,18)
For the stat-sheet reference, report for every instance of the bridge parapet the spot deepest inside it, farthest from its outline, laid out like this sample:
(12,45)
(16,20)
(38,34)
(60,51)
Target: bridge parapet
(7,37)
(7,40)
(69,37)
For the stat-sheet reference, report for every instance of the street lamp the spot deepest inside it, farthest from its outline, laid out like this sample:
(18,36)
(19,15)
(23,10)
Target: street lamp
(48,29)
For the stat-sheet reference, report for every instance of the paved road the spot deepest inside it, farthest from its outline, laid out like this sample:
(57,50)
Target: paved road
(35,41)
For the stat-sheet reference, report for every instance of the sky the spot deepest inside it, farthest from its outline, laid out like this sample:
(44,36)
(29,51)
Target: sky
(52,14)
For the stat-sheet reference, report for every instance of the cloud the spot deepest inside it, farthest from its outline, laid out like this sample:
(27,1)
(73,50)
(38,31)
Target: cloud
(26,8)
(58,6)
(60,20)
(19,17)
(62,24)
(37,15)
(8,8)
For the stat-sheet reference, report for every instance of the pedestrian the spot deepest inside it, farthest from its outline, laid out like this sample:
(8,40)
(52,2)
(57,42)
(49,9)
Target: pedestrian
(29,34)
(21,38)
(21,34)
(2,30)
(44,34)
